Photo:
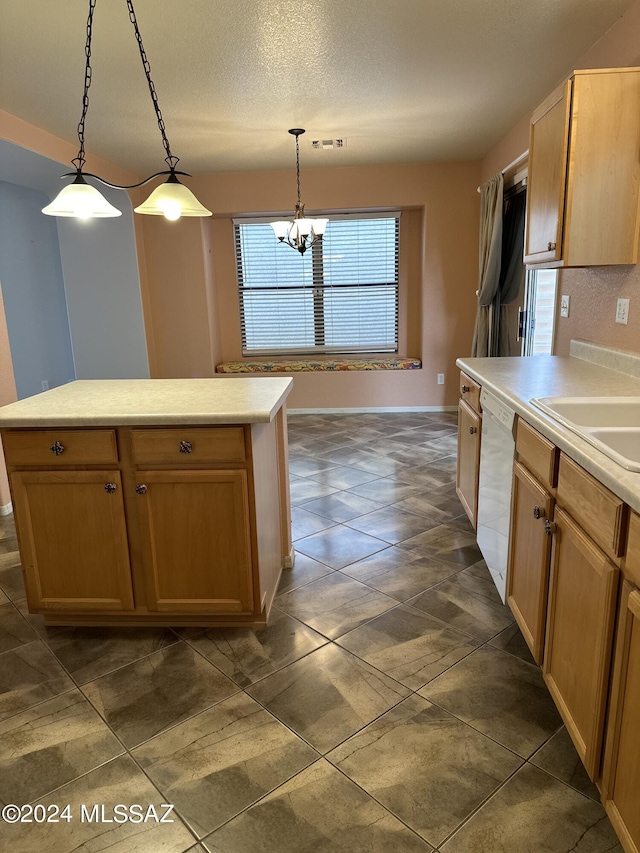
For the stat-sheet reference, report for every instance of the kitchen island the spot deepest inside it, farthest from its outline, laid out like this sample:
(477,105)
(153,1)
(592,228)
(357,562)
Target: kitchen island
(151,502)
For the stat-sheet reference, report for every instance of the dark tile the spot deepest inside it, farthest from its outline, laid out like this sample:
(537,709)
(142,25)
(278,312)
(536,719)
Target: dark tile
(334,604)
(36,620)
(3,598)
(511,640)
(425,766)
(469,601)
(392,524)
(88,653)
(321,811)
(304,570)
(119,781)
(343,477)
(339,546)
(534,813)
(50,745)
(144,698)
(29,674)
(446,542)
(400,573)
(221,761)
(365,460)
(342,506)
(11,579)
(327,696)
(384,490)
(305,523)
(559,758)
(247,654)
(408,645)
(310,465)
(499,695)
(439,508)
(14,630)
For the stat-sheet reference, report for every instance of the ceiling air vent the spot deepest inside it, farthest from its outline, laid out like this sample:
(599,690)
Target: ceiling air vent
(329,143)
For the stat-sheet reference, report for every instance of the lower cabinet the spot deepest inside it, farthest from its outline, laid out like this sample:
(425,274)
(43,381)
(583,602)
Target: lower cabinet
(622,761)
(73,540)
(196,540)
(529,554)
(469,433)
(581,612)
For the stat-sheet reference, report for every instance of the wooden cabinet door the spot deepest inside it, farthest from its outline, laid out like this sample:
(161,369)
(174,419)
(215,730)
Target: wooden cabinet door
(73,540)
(196,541)
(529,556)
(622,764)
(582,607)
(547,177)
(469,424)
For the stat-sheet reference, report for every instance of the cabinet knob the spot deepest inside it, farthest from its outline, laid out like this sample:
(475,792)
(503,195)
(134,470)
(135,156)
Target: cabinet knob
(465,388)
(186,447)
(551,246)
(537,512)
(550,527)
(141,489)
(472,430)
(110,488)
(57,448)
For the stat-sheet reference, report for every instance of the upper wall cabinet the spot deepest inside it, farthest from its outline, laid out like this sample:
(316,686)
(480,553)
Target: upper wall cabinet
(584,172)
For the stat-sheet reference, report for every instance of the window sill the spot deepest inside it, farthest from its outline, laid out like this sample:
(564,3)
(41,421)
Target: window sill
(333,365)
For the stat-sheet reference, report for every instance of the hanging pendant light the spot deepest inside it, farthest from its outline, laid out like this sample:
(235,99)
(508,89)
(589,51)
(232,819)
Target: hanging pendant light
(303,231)
(171,199)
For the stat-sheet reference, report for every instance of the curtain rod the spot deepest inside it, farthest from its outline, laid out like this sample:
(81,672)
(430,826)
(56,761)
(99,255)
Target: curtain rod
(514,163)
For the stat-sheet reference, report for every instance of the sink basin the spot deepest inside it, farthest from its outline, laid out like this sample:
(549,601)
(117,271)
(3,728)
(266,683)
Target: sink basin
(612,424)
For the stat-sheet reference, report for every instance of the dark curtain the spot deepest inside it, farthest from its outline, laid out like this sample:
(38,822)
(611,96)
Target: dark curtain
(512,268)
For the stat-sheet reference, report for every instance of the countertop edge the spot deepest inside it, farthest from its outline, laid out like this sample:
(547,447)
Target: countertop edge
(623,483)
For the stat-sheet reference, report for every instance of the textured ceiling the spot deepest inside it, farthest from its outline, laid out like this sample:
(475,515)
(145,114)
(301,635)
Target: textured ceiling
(404,81)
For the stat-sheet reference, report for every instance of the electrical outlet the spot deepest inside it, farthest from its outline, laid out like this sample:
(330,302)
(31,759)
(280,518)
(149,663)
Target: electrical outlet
(440,378)
(622,311)
(564,305)
(45,384)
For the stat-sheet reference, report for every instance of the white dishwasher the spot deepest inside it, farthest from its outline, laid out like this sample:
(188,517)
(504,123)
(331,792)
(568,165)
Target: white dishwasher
(494,491)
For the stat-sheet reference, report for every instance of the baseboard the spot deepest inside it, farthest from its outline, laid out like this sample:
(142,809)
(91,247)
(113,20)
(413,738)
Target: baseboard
(372,410)
(7,509)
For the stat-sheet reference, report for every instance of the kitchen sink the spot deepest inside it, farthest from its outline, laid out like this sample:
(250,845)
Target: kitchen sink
(612,424)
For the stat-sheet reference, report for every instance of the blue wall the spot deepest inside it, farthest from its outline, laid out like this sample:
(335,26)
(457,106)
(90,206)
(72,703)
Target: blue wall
(33,291)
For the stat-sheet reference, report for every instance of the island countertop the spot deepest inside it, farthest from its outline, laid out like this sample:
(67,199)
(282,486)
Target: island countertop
(148,402)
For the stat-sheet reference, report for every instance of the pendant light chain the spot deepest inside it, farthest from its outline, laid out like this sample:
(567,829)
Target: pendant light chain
(80,159)
(298,166)
(170,159)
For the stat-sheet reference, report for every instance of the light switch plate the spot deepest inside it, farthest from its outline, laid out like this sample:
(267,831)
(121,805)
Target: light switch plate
(622,311)
(564,305)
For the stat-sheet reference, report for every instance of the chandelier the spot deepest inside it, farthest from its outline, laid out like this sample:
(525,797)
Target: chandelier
(302,232)
(79,199)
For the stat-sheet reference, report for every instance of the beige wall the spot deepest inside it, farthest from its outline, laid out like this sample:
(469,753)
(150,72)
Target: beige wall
(593,291)
(439,261)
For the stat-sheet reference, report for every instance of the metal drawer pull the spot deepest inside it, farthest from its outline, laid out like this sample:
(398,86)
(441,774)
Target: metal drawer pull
(141,489)
(472,430)
(551,246)
(537,512)
(186,447)
(465,388)
(57,448)
(110,488)
(550,527)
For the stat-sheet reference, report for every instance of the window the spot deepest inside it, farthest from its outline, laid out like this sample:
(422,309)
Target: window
(341,296)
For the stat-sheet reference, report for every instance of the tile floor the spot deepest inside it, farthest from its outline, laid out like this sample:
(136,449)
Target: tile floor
(390,706)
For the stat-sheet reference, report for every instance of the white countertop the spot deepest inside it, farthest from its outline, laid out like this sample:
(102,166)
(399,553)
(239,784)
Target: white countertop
(123,402)
(515,381)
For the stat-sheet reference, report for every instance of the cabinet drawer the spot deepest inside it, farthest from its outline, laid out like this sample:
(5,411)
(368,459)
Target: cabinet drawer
(470,392)
(600,513)
(188,445)
(58,447)
(537,453)
(632,560)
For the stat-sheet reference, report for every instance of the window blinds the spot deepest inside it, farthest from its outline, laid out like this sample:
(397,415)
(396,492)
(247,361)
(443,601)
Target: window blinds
(341,296)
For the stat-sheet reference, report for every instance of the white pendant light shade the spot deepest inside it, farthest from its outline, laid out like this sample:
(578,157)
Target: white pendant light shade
(319,226)
(172,200)
(81,201)
(281,229)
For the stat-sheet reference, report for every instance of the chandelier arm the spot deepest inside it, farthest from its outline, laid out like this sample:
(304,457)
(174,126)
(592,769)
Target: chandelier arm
(127,186)
(79,161)
(170,159)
